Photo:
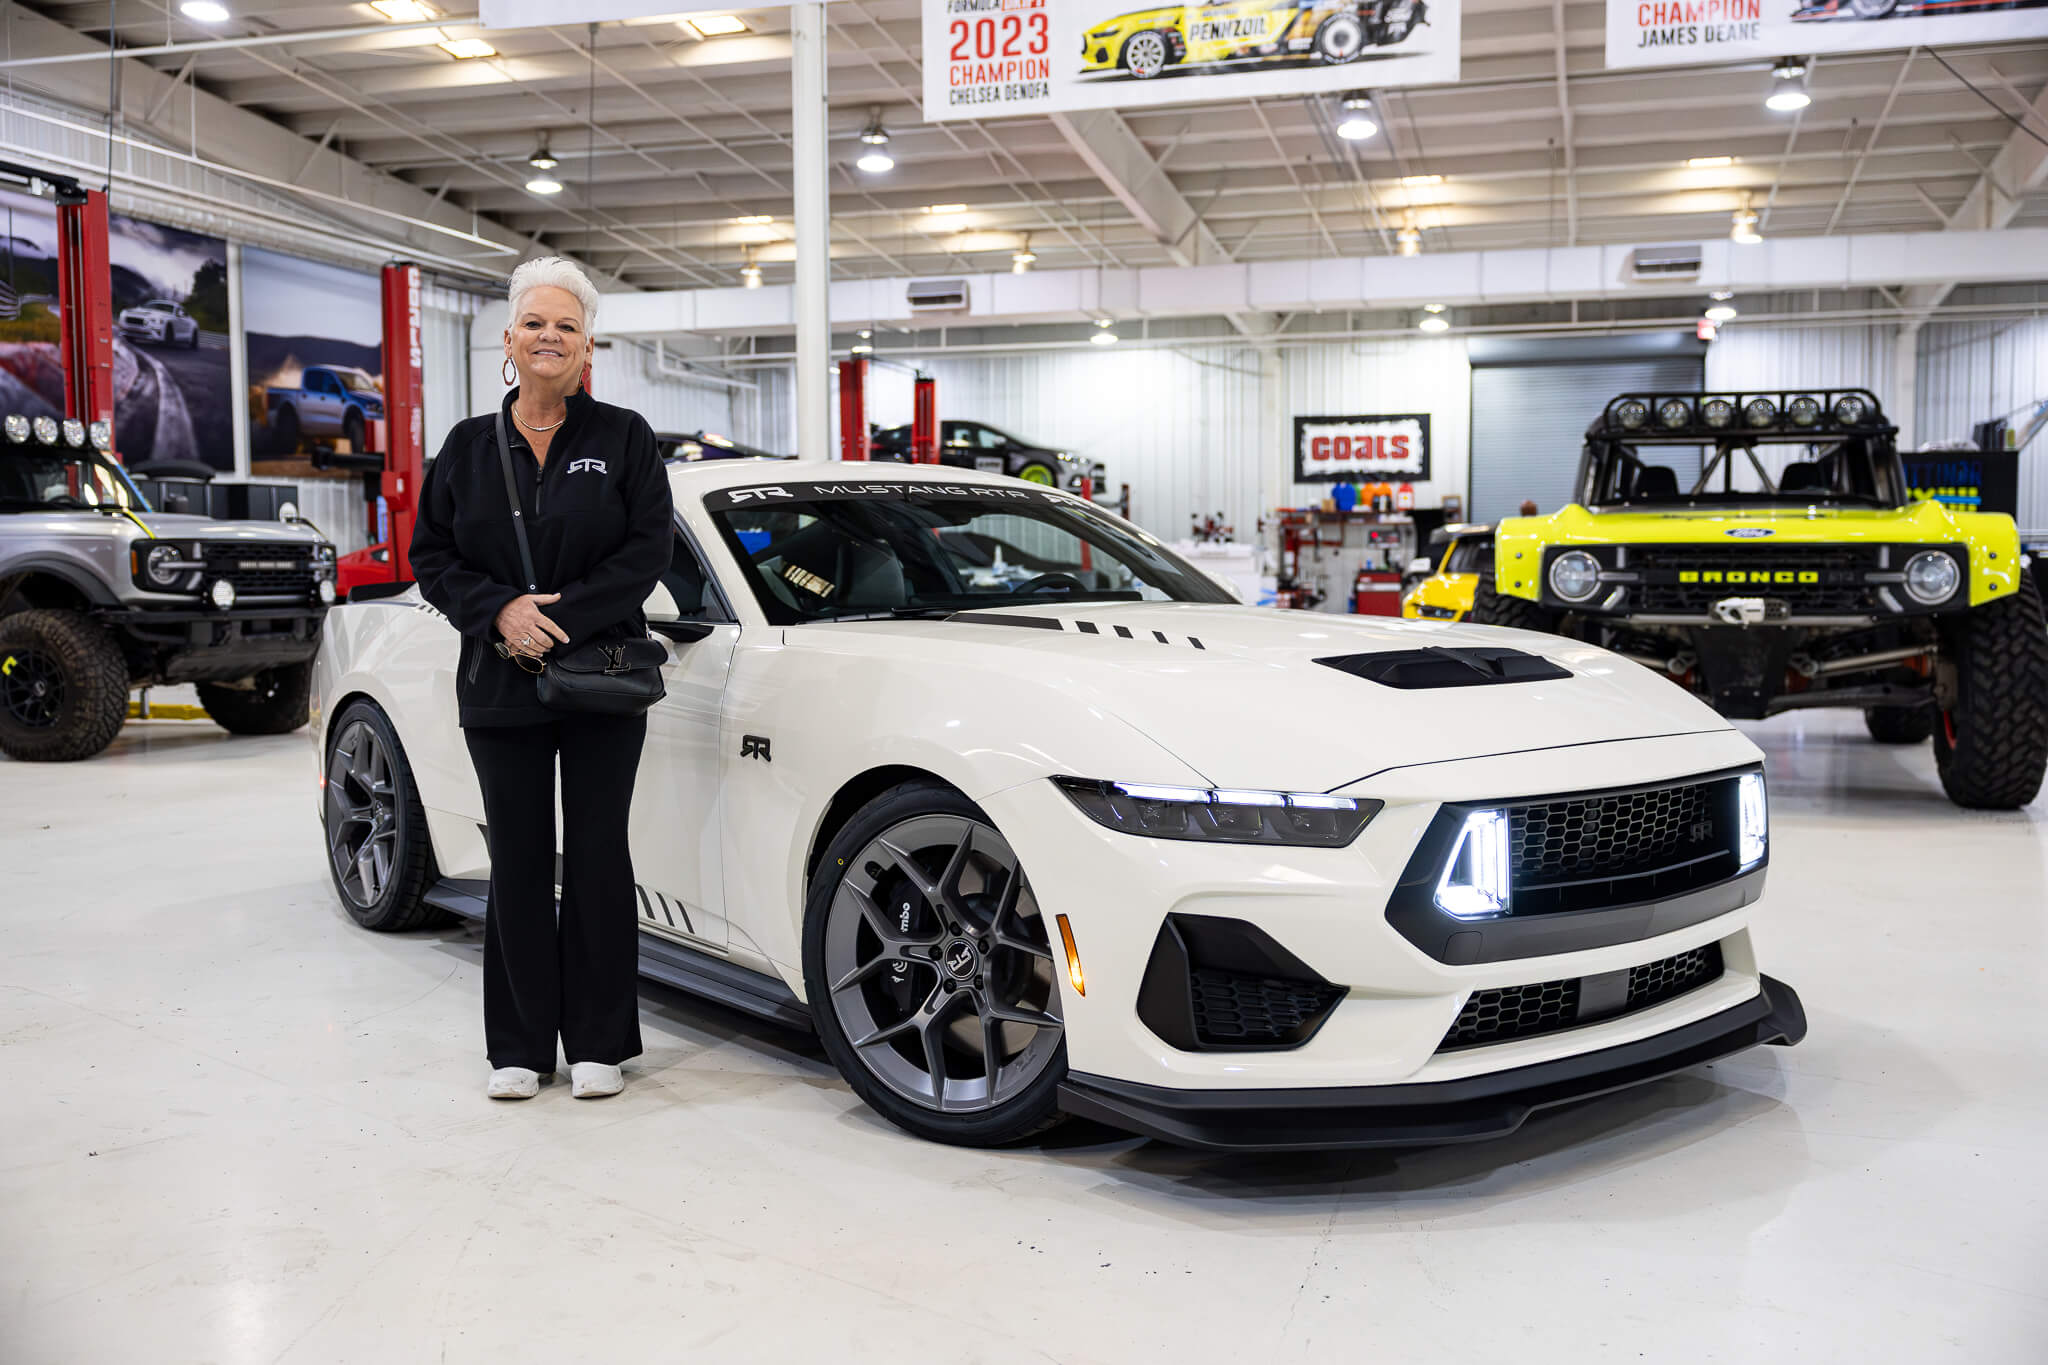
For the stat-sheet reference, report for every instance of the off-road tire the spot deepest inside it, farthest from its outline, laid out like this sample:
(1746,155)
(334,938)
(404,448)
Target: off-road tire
(284,432)
(401,905)
(92,678)
(1991,745)
(1030,1112)
(1490,608)
(1899,724)
(278,704)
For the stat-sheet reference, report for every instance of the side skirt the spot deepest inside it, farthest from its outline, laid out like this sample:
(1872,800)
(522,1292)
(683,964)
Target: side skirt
(670,963)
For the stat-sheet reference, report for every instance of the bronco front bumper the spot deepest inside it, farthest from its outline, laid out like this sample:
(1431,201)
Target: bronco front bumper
(221,646)
(1491,1104)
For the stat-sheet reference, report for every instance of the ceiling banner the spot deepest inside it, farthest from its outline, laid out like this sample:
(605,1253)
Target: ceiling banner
(1670,32)
(991,58)
(552,13)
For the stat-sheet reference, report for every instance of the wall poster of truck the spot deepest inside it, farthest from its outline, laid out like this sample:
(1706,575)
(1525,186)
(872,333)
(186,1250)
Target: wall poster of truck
(310,391)
(170,291)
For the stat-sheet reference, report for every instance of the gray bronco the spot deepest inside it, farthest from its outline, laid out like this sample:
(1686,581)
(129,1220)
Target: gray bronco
(100,594)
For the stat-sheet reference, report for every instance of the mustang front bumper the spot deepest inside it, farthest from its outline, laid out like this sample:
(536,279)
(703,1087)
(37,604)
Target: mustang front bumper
(1488,1105)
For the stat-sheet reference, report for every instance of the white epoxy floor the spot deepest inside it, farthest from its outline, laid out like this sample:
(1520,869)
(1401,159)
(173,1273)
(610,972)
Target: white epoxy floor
(238,1129)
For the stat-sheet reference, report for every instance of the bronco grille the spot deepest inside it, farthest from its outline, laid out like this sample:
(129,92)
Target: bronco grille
(262,570)
(1505,1013)
(1812,580)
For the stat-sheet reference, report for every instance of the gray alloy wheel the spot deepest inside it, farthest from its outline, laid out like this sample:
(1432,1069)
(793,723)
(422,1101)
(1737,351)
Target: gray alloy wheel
(938,971)
(1145,55)
(362,815)
(1340,39)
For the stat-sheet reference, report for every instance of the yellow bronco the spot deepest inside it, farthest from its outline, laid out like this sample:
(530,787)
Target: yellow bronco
(1761,549)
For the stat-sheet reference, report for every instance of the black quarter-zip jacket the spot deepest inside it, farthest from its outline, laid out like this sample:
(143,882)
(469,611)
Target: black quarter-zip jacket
(600,520)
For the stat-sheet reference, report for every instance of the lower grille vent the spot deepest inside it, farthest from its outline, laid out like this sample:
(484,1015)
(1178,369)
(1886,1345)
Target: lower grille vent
(1515,1012)
(1505,1013)
(1236,1010)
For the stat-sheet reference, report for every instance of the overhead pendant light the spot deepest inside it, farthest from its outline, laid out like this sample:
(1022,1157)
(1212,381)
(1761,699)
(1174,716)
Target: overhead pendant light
(1433,319)
(1721,312)
(204,12)
(1788,86)
(1742,227)
(1022,259)
(1357,123)
(1721,295)
(543,183)
(875,160)
(543,159)
(750,273)
(1408,240)
(1103,335)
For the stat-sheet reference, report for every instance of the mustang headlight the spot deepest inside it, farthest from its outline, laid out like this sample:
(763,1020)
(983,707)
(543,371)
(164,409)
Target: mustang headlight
(1221,816)
(1756,820)
(1932,577)
(1475,880)
(1575,575)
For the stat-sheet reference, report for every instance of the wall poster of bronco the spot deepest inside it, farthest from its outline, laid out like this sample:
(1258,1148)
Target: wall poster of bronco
(989,58)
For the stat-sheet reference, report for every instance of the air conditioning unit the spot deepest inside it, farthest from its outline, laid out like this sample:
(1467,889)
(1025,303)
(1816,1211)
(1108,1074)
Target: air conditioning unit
(938,296)
(1650,264)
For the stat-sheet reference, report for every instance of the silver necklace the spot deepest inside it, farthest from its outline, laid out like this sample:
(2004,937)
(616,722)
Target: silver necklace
(531,427)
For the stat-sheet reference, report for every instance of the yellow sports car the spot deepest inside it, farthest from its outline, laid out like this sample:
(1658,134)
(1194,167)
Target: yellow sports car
(1146,42)
(1466,552)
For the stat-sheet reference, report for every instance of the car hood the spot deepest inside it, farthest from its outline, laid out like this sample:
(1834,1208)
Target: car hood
(1925,520)
(1237,693)
(186,525)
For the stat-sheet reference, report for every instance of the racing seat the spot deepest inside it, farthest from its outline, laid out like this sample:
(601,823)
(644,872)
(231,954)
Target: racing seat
(1656,481)
(1803,476)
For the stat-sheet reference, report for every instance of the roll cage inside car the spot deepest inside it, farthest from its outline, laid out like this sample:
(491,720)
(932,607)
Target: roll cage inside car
(1850,453)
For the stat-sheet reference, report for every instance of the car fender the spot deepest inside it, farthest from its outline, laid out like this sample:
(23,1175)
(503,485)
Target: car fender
(974,728)
(74,574)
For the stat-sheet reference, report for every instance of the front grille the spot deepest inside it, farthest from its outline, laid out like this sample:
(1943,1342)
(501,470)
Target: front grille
(262,570)
(1233,1009)
(1611,836)
(1505,1013)
(1812,580)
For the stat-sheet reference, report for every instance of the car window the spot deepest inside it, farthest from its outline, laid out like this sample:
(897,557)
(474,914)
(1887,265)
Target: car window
(1471,555)
(821,551)
(685,592)
(991,439)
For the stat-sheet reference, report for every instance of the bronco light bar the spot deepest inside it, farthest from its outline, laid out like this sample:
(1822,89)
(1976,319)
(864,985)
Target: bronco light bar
(1695,416)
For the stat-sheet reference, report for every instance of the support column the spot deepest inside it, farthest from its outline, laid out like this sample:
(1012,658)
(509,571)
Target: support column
(404,411)
(1901,401)
(85,292)
(812,187)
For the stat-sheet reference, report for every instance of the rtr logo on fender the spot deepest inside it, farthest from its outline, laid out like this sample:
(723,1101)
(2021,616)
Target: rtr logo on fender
(755,746)
(1750,532)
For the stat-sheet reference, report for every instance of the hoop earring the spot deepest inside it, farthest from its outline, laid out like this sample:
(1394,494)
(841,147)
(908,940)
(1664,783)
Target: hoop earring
(506,370)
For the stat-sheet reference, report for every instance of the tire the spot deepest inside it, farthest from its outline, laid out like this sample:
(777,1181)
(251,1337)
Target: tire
(1872,9)
(352,432)
(1340,39)
(369,802)
(277,705)
(1991,745)
(880,923)
(284,432)
(1899,724)
(1490,608)
(1039,472)
(193,343)
(63,686)
(1145,54)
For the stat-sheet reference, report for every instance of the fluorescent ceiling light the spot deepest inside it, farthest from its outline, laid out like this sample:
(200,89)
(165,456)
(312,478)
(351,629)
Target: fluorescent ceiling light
(204,11)
(754,219)
(468,47)
(712,25)
(402,11)
(1416,181)
(1709,163)
(946,208)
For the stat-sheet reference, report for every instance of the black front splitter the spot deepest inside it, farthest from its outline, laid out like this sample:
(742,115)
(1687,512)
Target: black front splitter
(1466,1110)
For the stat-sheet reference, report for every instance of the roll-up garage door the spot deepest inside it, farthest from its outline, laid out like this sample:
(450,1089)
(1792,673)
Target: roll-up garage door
(1529,424)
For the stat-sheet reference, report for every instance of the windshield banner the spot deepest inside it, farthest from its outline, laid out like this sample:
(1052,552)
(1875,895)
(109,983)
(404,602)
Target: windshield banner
(1346,449)
(1668,32)
(991,58)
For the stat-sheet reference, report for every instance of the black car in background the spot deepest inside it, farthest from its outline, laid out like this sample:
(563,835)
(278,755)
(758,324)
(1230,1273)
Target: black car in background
(707,445)
(976,445)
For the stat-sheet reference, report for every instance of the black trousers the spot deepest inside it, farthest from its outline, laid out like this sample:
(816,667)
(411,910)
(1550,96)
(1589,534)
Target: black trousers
(576,976)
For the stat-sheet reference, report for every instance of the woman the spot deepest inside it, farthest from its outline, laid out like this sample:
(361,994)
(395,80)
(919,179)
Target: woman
(595,501)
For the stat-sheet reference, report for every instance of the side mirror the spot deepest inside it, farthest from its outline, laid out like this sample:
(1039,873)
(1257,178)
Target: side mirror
(682,632)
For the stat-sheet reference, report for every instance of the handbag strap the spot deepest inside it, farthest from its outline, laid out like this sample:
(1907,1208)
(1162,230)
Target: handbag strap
(512,498)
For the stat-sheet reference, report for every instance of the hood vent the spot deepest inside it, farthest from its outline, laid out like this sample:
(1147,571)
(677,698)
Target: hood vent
(1420,669)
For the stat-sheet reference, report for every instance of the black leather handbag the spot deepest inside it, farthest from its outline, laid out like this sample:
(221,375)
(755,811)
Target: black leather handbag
(605,677)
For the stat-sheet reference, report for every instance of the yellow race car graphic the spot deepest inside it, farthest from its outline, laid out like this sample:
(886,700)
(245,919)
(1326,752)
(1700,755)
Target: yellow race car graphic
(1146,43)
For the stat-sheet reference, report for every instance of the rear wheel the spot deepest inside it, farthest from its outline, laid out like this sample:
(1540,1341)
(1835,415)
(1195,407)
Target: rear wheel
(1039,473)
(63,686)
(930,972)
(1899,724)
(276,702)
(1490,608)
(1340,39)
(352,432)
(1991,742)
(376,829)
(284,432)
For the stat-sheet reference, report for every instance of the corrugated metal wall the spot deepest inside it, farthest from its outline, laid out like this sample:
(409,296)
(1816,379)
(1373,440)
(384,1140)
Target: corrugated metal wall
(1807,357)
(1971,372)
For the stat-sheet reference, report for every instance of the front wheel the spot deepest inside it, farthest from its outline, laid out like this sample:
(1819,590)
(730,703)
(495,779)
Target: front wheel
(930,972)
(1490,608)
(1039,473)
(63,686)
(352,432)
(1991,743)
(276,701)
(1340,39)
(1145,55)
(374,825)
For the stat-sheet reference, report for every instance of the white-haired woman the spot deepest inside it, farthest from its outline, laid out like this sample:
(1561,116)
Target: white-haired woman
(595,501)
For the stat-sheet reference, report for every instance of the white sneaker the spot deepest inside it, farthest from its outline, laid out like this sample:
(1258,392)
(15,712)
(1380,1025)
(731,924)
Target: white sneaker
(594,1080)
(513,1083)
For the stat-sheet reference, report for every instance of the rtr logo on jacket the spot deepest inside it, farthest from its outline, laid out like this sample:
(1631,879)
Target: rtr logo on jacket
(594,466)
